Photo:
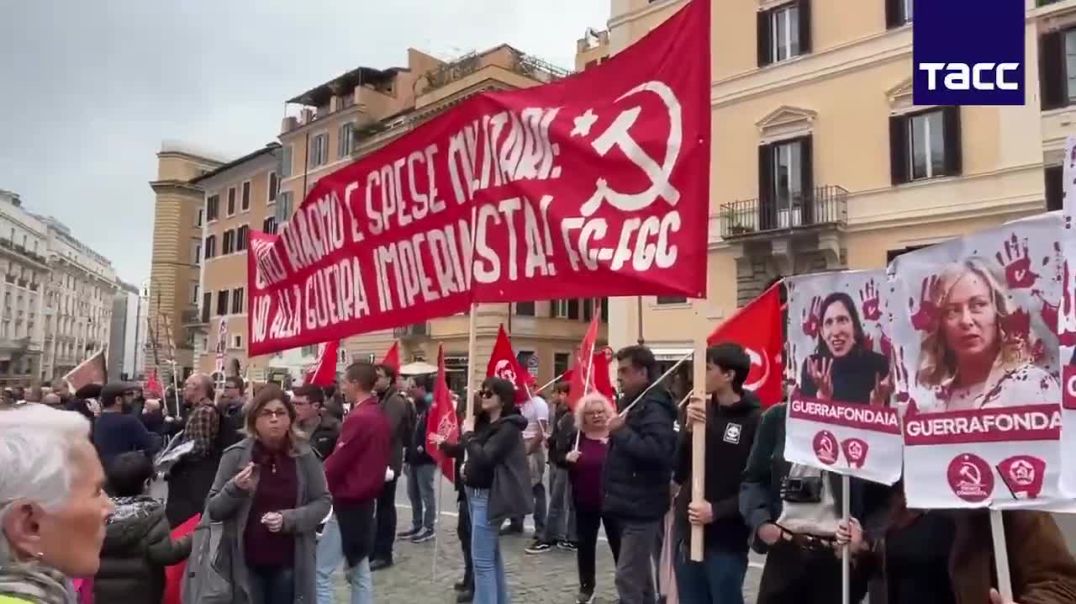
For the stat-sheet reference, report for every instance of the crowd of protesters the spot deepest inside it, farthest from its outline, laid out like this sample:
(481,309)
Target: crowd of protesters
(295,487)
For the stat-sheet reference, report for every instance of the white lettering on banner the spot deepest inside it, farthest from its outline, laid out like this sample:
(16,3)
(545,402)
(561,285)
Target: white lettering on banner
(983,424)
(317,230)
(858,414)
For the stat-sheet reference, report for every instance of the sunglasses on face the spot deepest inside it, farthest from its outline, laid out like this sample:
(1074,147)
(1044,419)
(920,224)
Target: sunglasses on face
(485,394)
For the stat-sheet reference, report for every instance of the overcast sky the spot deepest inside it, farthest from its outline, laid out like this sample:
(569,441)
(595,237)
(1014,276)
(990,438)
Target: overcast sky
(89,89)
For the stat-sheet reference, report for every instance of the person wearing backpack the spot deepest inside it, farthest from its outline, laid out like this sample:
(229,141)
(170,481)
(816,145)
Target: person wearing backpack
(190,479)
(137,544)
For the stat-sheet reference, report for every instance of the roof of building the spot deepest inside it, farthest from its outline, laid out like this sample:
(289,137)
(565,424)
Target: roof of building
(320,95)
(269,148)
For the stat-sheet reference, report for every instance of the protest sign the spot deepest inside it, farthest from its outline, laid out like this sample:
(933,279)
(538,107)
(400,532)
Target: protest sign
(839,418)
(976,360)
(593,185)
(1066,331)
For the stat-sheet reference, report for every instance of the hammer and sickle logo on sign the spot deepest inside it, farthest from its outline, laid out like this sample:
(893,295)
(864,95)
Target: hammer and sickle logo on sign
(503,370)
(619,135)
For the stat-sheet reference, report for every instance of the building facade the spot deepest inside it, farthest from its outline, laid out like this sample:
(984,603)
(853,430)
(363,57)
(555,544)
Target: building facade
(239,196)
(126,358)
(25,266)
(822,162)
(78,301)
(174,286)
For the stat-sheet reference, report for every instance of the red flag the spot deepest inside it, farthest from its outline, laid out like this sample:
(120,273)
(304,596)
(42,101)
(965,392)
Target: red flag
(441,419)
(602,382)
(173,575)
(153,387)
(392,357)
(91,371)
(758,328)
(323,373)
(582,381)
(504,364)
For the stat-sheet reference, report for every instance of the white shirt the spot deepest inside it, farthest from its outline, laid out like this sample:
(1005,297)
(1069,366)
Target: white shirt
(535,410)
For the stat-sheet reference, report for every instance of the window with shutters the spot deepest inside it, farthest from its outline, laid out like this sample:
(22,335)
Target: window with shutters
(231,201)
(237,301)
(898,12)
(285,162)
(207,306)
(925,144)
(245,201)
(196,252)
(269,225)
(1055,187)
(1057,68)
(786,183)
(319,149)
(784,32)
(222,303)
(199,217)
(347,135)
(558,309)
(525,309)
(573,309)
(212,207)
(560,362)
(242,235)
(228,243)
(283,207)
(272,187)
(210,248)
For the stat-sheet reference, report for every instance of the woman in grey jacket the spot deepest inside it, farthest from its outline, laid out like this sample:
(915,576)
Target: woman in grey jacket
(270,493)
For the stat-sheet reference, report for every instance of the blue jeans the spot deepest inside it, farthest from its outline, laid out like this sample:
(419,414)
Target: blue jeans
(330,556)
(718,578)
(420,480)
(490,584)
(272,584)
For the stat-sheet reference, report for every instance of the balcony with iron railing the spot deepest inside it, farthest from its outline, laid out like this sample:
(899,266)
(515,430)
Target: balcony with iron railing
(824,206)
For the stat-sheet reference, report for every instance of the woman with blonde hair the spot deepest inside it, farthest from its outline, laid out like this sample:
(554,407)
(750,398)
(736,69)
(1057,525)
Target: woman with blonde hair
(584,452)
(53,505)
(270,492)
(977,350)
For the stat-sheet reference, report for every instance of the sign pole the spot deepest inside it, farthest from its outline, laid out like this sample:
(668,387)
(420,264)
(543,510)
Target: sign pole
(1001,555)
(698,440)
(472,345)
(846,511)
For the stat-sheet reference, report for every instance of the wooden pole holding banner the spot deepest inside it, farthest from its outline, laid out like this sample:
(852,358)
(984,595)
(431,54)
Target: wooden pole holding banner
(698,438)
(846,512)
(1001,555)
(472,345)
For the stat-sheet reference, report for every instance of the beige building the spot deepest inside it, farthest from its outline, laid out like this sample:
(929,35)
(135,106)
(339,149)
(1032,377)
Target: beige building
(821,161)
(334,124)
(25,265)
(174,286)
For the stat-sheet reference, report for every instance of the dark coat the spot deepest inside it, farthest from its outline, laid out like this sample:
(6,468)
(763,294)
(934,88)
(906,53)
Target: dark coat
(323,438)
(497,460)
(417,451)
(136,549)
(401,416)
(639,465)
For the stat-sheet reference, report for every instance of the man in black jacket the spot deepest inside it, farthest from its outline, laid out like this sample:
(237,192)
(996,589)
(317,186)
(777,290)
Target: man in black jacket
(401,416)
(320,427)
(560,521)
(638,469)
(731,416)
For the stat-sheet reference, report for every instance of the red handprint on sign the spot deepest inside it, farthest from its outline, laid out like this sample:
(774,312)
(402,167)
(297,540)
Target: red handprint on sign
(872,310)
(1049,311)
(901,377)
(812,319)
(868,341)
(926,317)
(1017,263)
(1017,324)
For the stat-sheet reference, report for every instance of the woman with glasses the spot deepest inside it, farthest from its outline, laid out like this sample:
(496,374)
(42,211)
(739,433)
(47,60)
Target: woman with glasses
(270,492)
(586,460)
(497,480)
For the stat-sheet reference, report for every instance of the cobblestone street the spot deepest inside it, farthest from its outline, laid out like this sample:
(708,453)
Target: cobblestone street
(548,578)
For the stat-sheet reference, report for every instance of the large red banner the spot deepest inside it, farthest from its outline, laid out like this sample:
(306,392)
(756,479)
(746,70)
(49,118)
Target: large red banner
(595,185)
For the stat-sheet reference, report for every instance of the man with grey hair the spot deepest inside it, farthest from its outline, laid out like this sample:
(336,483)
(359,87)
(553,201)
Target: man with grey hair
(192,476)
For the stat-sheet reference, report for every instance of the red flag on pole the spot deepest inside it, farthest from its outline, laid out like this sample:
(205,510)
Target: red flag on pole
(442,419)
(504,364)
(758,328)
(323,373)
(153,387)
(392,357)
(91,371)
(582,380)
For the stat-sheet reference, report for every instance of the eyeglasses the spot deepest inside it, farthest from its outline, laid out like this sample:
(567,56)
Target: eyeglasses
(485,394)
(267,413)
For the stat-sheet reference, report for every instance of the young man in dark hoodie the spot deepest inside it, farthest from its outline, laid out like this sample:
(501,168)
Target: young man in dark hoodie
(638,471)
(731,416)
(137,544)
